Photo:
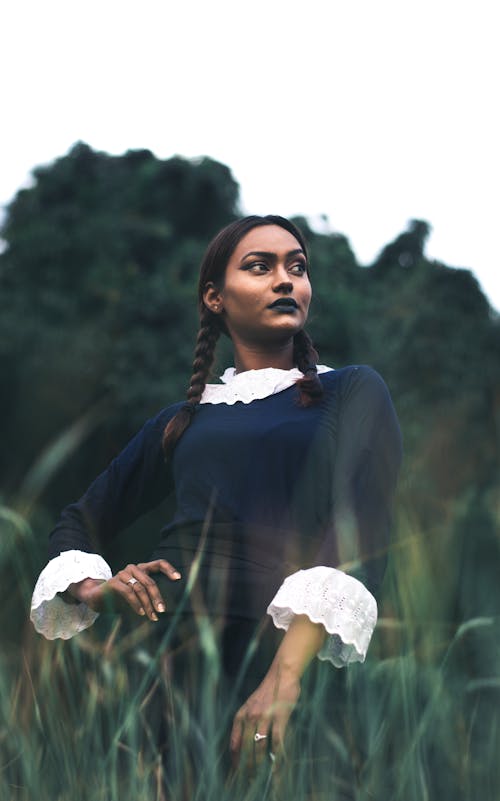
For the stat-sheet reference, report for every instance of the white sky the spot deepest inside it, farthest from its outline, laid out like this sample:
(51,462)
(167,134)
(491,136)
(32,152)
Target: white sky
(369,111)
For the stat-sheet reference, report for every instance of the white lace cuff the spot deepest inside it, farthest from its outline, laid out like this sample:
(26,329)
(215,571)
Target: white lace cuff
(52,616)
(344,606)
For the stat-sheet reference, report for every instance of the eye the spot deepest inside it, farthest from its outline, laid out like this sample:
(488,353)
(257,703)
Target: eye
(257,267)
(299,268)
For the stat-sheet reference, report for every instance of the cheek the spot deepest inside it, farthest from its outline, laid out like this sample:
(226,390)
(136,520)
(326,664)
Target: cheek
(242,298)
(307,295)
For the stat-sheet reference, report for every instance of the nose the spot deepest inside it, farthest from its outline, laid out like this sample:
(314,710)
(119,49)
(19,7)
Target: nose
(282,282)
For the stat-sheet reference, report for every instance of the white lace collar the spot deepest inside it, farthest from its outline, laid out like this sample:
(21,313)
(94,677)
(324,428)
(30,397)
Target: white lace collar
(252,384)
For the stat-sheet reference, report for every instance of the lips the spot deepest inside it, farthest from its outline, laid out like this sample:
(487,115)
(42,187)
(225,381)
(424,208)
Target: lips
(284,303)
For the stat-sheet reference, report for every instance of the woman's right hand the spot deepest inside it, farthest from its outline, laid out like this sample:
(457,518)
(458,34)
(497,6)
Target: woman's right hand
(132,588)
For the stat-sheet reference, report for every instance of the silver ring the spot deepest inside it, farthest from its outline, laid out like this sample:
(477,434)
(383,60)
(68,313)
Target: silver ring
(132,581)
(257,737)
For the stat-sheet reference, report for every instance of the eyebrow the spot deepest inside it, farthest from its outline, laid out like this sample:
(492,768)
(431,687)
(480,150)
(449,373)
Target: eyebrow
(263,254)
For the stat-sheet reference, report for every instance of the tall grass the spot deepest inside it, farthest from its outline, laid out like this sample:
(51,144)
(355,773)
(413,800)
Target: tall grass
(418,720)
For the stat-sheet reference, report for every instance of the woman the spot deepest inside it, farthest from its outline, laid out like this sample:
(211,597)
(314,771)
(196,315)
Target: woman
(282,474)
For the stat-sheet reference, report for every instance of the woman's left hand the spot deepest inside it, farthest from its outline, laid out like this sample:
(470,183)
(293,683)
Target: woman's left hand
(265,713)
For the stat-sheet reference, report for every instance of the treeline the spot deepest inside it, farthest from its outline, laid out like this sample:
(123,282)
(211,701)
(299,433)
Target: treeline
(98,318)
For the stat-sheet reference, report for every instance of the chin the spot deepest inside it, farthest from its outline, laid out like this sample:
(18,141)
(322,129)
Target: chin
(284,330)
(288,323)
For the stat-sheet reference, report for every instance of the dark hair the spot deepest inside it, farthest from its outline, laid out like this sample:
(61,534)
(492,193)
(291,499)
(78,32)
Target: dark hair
(213,269)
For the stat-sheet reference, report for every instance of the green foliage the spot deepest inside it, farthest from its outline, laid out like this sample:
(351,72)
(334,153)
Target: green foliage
(419,719)
(96,290)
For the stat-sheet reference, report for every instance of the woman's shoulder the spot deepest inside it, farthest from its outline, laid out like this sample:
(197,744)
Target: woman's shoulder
(155,425)
(165,414)
(351,373)
(355,380)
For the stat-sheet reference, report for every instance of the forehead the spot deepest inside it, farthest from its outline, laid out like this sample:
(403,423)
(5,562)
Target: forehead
(268,238)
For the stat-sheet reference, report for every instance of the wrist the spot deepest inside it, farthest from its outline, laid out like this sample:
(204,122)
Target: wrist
(286,669)
(299,646)
(83,590)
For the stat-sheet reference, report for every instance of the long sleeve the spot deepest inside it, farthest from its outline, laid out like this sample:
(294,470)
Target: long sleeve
(136,481)
(339,590)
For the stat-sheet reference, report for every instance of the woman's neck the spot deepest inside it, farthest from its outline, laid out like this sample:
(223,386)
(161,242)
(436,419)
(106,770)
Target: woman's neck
(253,358)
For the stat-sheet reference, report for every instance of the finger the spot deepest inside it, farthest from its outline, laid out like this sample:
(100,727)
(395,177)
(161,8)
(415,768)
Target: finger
(277,740)
(277,743)
(235,741)
(261,742)
(121,585)
(146,590)
(160,566)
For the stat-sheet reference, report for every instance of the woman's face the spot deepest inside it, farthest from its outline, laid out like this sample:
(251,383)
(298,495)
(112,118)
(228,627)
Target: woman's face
(266,292)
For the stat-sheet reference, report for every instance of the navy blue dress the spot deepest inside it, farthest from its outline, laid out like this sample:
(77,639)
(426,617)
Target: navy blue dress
(261,490)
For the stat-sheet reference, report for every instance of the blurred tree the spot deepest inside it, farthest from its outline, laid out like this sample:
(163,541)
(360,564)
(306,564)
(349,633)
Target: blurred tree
(407,250)
(97,290)
(336,278)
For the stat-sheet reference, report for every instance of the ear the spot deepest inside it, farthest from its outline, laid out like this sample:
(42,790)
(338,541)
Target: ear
(212,298)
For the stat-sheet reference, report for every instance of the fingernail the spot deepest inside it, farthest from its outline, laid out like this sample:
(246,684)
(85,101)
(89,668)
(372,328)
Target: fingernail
(160,607)
(141,611)
(176,575)
(154,617)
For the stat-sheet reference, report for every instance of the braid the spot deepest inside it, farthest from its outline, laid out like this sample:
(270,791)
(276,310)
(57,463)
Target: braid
(203,358)
(306,358)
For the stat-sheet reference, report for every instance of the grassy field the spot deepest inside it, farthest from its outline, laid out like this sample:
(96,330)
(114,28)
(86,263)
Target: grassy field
(419,720)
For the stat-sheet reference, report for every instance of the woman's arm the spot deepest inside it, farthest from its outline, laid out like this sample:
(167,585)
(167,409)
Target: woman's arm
(329,610)
(339,590)
(268,709)
(136,480)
